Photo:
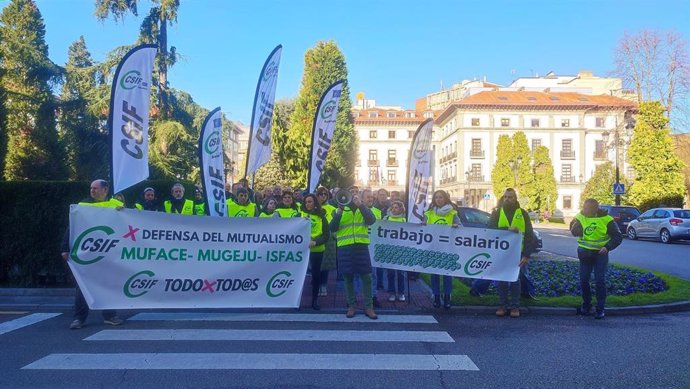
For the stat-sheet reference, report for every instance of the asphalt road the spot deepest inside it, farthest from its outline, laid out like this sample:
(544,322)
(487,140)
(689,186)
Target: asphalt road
(672,258)
(441,351)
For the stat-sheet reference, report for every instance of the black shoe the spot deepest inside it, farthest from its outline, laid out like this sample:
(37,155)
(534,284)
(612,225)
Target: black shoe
(315,306)
(437,301)
(584,311)
(376,303)
(446,301)
(599,315)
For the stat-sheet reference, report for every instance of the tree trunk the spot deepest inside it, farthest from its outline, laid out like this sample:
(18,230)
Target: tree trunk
(163,67)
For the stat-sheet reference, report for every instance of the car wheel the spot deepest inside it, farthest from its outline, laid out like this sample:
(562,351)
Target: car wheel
(665,236)
(632,234)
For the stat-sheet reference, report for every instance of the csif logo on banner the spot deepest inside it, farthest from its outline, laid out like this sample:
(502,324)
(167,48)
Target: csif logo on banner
(328,109)
(271,71)
(279,284)
(212,143)
(133,79)
(91,244)
(139,284)
(479,262)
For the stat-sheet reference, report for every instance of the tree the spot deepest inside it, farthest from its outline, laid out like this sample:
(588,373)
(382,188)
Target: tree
(86,143)
(33,150)
(282,112)
(154,29)
(3,132)
(323,65)
(502,173)
(541,192)
(657,66)
(522,157)
(600,185)
(658,170)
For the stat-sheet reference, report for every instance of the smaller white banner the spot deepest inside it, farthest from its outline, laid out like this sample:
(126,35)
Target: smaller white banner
(139,259)
(419,172)
(211,162)
(322,133)
(459,252)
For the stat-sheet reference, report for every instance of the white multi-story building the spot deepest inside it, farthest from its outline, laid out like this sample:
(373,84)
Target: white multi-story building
(571,125)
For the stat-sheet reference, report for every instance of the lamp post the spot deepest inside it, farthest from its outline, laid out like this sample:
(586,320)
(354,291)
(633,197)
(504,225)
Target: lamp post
(514,163)
(467,180)
(605,136)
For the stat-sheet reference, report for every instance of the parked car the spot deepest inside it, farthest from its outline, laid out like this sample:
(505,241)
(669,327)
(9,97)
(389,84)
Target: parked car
(622,214)
(472,217)
(665,224)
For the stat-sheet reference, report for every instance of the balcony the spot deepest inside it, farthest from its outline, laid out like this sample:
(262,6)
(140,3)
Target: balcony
(448,180)
(373,163)
(600,156)
(567,154)
(568,179)
(372,183)
(392,162)
(476,178)
(477,154)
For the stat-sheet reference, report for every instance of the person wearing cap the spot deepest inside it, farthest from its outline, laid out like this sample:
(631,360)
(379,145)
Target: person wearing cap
(148,201)
(268,208)
(177,203)
(242,207)
(199,201)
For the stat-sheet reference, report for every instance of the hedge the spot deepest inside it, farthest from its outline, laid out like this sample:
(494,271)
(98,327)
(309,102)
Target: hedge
(34,216)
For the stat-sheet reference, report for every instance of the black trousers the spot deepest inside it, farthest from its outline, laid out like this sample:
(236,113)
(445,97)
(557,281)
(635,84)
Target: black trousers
(81,309)
(315,260)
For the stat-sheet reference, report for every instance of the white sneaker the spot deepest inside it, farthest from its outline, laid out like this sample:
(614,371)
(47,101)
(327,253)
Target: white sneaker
(401,297)
(391,298)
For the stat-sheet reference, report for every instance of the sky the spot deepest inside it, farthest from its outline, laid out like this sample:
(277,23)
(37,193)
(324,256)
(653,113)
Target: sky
(396,51)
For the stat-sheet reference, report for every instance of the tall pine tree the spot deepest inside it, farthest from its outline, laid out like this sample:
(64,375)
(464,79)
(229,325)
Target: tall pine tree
(502,173)
(659,176)
(541,191)
(522,157)
(600,185)
(33,150)
(323,65)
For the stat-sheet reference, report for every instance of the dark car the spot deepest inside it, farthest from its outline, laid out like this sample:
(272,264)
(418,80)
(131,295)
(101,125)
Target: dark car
(622,215)
(472,217)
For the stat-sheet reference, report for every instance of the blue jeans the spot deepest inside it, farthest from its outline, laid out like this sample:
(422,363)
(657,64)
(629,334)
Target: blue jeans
(392,273)
(436,284)
(591,260)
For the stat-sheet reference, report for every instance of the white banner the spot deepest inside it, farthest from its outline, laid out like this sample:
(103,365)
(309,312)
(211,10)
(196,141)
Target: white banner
(259,148)
(140,259)
(322,132)
(419,172)
(460,252)
(211,163)
(129,117)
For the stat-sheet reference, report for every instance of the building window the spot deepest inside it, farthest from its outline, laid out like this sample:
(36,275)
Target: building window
(373,114)
(391,177)
(567,173)
(410,134)
(373,175)
(390,114)
(567,202)
(599,122)
(536,143)
(391,154)
(373,134)
(565,122)
(475,122)
(599,150)
(476,150)
(373,155)
(391,134)
(567,151)
(505,122)
(535,123)
(409,115)
(476,172)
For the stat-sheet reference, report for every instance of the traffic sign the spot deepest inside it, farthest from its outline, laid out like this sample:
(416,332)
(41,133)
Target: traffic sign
(487,196)
(618,189)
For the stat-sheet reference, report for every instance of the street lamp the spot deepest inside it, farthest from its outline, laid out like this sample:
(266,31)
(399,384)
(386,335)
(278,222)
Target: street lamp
(467,180)
(605,136)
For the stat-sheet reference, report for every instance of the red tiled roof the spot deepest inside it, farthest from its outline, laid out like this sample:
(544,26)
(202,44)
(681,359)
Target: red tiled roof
(382,116)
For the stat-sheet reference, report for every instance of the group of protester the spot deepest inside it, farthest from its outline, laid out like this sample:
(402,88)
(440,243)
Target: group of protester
(339,235)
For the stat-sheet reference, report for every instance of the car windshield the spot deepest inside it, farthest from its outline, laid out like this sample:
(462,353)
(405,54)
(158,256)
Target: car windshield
(683,213)
(629,212)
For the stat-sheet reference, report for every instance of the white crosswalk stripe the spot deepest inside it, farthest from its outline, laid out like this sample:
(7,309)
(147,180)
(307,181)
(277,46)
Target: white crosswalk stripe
(25,321)
(281,317)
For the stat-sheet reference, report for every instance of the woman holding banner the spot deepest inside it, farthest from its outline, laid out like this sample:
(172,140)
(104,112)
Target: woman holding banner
(319,235)
(442,212)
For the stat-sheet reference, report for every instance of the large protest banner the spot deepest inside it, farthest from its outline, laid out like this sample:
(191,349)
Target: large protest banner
(129,117)
(140,259)
(461,252)
(259,146)
(322,132)
(419,172)
(211,163)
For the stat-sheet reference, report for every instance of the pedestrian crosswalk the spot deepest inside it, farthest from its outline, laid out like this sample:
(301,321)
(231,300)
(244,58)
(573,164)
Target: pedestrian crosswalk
(389,329)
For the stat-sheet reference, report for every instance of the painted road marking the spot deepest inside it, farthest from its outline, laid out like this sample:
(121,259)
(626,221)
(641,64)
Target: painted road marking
(257,361)
(280,317)
(25,321)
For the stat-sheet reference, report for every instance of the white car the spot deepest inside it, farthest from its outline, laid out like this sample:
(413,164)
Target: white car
(665,224)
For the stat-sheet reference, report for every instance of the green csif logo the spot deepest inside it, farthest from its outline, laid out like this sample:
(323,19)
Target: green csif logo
(279,283)
(92,242)
(131,80)
(328,109)
(477,264)
(212,143)
(591,228)
(139,284)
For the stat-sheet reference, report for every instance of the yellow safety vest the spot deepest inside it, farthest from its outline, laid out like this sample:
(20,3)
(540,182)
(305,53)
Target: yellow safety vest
(376,212)
(112,203)
(187,208)
(316,229)
(329,209)
(264,214)
(200,209)
(433,218)
(237,210)
(517,222)
(288,212)
(352,228)
(398,219)
(594,231)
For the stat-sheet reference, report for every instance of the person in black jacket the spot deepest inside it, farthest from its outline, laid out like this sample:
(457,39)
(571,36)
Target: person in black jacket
(597,234)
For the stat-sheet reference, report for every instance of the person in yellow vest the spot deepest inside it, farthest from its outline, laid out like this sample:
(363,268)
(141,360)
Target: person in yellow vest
(597,234)
(311,209)
(288,208)
(199,201)
(98,198)
(243,207)
(177,203)
(329,256)
(396,213)
(352,238)
(441,212)
(510,216)
(376,272)
(268,208)
(148,201)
